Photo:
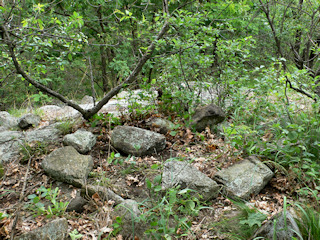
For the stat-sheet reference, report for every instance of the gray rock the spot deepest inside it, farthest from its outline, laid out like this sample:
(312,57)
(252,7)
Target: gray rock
(284,230)
(77,204)
(10,144)
(129,212)
(163,124)
(47,134)
(209,115)
(7,121)
(137,141)
(55,230)
(245,178)
(103,192)
(183,174)
(67,165)
(81,140)
(29,120)
(87,100)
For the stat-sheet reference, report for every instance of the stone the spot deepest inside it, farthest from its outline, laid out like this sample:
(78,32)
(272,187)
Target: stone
(137,141)
(104,193)
(51,112)
(29,120)
(184,174)
(81,140)
(7,121)
(131,227)
(164,125)
(10,144)
(87,100)
(54,230)
(283,229)
(207,116)
(77,204)
(50,133)
(244,178)
(67,165)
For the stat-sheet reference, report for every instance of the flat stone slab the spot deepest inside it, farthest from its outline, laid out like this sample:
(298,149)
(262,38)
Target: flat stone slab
(244,178)
(184,174)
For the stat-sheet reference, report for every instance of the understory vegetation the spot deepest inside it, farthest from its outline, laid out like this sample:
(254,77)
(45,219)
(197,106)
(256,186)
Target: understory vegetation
(256,59)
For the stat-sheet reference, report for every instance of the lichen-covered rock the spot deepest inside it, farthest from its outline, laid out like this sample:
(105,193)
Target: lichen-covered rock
(184,174)
(207,116)
(55,230)
(67,165)
(81,140)
(137,141)
(29,120)
(244,178)
(10,144)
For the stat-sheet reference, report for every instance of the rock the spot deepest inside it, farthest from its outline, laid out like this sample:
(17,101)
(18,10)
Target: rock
(183,174)
(131,227)
(87,100)
(245,178)
(209,115)
(7,121)
(283,229)
(29,120)
(47,134)
(10,144)
(51,112)
(55,230)
(67,165)
(137,141)
(163,124)
(103,192)
(81,140)
(77,204)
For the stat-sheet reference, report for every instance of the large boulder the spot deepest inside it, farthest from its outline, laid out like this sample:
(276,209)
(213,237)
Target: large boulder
(183,174)
(7,121)
(67,165)
(55,230)
(245,178)
(207,116)
(137,141)
(81,140)
(29,120)
(87,100)
(281,226)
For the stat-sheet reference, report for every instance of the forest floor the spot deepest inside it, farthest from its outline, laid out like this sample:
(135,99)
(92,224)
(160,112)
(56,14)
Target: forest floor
(126,176)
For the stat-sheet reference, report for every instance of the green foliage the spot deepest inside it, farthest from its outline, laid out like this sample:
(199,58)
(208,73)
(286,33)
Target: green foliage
(75,235)
(45,202)
(65,127)
(308,222)
(165,215)
(3,215)
(33,149)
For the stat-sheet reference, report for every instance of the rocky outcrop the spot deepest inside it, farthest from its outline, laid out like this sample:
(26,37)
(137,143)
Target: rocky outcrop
(67,165)
(137,141)
(207,116)
(81,140)
(55,230)
(244,178)
(29,120)
(183,174)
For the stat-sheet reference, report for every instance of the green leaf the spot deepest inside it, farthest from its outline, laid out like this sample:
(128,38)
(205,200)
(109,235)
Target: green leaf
(173,133)
(70,56)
